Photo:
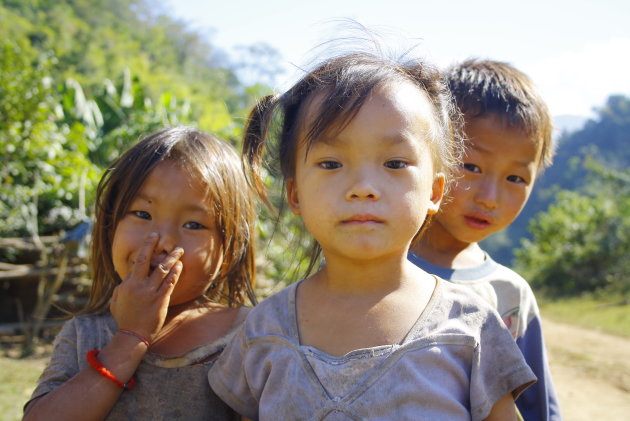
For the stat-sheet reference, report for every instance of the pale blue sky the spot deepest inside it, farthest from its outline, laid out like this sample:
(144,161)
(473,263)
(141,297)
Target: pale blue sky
(577,51)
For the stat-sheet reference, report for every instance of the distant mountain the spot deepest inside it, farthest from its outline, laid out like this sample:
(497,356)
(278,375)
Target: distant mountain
(568,123)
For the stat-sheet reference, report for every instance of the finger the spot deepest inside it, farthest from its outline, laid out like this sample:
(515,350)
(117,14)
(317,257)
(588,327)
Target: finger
(173,276)
(142,263)
(162,270)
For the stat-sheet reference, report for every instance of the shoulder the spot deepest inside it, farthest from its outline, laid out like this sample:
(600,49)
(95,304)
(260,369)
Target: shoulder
(104,319)
(88,324)
(466,312)
(88,331)
(96,324)
(458,296)
(273,316)
(508,275)
(461,304)
(508,282)
(457,312)
(510,287)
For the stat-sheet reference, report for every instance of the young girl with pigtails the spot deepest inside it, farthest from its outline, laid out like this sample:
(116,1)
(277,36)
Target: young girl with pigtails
(366,146)
(173,266)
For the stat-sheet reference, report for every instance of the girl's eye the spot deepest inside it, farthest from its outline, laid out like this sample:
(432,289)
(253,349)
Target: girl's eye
(516,179)
(329,165)
(193,225)
(396,164)
(472,168)
(142,215)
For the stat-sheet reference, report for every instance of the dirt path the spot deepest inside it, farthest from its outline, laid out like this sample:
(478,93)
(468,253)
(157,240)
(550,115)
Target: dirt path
(591,372)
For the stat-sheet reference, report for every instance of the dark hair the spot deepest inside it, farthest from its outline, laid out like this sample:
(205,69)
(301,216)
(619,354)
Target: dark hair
(487,87)
(205,157)
(343,84)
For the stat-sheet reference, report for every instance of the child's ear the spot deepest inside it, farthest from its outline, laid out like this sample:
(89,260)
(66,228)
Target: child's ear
(437,193)
(292,196)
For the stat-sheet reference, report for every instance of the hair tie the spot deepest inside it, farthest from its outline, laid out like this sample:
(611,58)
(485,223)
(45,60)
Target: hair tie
(135,335)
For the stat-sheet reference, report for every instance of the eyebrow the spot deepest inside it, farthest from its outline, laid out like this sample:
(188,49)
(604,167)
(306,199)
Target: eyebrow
(389,140)
(487,152)
(190,208)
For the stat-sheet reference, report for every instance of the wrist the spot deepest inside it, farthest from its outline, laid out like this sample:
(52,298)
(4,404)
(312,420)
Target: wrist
(92,359)
(137,336)
(122,356)
(124,348)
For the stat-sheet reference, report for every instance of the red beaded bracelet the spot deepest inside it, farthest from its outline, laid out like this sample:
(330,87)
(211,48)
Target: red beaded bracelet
(103,371)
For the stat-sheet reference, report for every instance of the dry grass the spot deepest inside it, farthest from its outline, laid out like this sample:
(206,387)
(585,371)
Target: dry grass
(606,315)
(17,381)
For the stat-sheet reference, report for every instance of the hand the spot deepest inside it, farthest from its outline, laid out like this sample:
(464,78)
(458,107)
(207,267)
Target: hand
(140,303)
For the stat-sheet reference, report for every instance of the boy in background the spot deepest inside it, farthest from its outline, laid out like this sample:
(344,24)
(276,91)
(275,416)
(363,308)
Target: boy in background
(508,144)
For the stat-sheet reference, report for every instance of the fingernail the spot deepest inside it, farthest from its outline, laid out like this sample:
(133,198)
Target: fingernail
(152,235)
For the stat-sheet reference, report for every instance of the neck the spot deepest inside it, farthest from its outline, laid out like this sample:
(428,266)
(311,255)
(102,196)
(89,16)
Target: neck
(175,311)
(440,248)
(371,277)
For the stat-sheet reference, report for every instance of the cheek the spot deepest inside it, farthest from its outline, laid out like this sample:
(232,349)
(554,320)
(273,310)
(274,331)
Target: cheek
(204,256)
(456,200)
(127,240)
(413,203)
(120,246)
(517,203)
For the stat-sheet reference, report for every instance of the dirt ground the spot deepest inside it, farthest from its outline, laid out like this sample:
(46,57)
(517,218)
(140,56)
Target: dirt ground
(591,372)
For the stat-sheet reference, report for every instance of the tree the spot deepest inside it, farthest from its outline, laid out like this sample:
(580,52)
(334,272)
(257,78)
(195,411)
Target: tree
(45,164)
(581,243)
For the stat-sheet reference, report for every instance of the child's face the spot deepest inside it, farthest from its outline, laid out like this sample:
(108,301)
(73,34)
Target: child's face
(172,204)
(497,177)
(365,191)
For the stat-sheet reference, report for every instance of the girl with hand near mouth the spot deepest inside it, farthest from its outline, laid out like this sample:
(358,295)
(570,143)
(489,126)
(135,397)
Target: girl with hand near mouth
(173,265)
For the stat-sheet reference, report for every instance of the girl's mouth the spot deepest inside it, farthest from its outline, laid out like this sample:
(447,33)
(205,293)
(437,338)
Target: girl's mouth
(477,221)
(362,219)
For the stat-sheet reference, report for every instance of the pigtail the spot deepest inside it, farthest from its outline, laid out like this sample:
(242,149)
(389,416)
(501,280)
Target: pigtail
(256,132)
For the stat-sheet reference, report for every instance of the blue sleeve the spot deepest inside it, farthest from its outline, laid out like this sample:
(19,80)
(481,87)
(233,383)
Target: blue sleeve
(538,402)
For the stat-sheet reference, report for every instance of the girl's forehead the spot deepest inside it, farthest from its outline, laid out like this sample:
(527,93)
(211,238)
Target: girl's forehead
(410,102)
(171,175)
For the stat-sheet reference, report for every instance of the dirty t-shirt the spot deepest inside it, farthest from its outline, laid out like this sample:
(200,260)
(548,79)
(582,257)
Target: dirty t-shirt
(515,302)
(167,388)
(455,363)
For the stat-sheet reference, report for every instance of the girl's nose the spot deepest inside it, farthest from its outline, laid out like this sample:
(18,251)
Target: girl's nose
(363,187)
(167,241)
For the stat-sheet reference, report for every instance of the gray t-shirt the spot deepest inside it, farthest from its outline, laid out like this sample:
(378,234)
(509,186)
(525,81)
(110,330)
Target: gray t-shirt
(167,388)
(455,363)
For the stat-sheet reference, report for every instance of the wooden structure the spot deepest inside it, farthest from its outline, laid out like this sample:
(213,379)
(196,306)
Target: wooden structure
(39,278)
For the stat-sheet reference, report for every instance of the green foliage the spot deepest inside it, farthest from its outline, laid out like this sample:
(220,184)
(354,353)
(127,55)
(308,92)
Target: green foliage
(582,242)
(118,115)
(71,104)
(57,140)
(43,162)
(285,245)
(95,40)
(81,80)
